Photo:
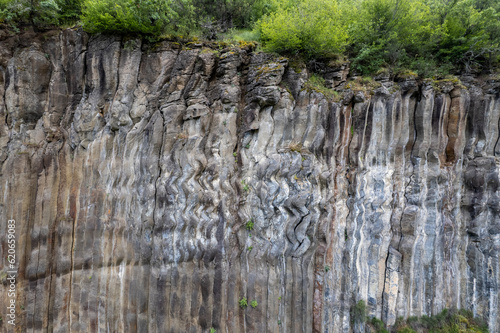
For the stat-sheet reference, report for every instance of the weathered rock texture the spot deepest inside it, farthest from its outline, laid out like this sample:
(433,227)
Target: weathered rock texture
(132,171)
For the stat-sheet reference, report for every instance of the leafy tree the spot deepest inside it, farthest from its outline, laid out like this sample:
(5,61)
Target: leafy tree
(149,17)
(69,11)
(314,27)
(33,12)
(470,34)
(218,16)
(387,33)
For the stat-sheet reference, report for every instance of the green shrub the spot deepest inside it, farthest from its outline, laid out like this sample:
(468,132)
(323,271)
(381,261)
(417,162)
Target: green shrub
(243,303)
(253,304)
(148,17)
(221,16)
(69,11)
(246,188)
(37,13)
(358,312)
(314,27)
(445,321)
(249,225)
(378,325)
(245,35)
(124,16)
(12,12)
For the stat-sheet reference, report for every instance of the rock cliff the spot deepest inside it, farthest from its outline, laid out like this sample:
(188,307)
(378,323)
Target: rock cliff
(154,186)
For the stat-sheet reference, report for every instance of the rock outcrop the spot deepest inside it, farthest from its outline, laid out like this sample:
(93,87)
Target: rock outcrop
(154,186)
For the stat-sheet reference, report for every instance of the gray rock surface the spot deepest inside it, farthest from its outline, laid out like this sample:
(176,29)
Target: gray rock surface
(132,171)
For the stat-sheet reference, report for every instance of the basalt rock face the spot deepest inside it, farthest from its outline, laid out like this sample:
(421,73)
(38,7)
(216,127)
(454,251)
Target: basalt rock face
(133,171)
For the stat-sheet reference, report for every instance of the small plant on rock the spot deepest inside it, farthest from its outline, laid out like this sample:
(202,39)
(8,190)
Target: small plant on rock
(246,188)
(249,225)
(358,312)
(243,303)
(212,330)
(254,304)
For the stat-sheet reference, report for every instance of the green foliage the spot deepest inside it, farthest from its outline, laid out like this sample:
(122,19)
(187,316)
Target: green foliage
(12,12)
(246,188)
(253,304)
(250,248)
(470,33)
(385,31)
(245,35)
(37,13)
(447,321)
(327,269)
(149,17)
(314,27)
(358,312)
(378,325)
(432,38)
(212,330)
(249,225)
(69,11)
(317,83)
(243,303)
(231,13)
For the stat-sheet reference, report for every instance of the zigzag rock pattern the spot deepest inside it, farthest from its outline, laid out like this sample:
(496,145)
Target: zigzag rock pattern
(154,186)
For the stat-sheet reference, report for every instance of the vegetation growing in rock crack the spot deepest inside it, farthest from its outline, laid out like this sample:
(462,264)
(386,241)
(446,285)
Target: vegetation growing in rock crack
(246,188)
(243,303)
(358,312)
(249,225)
(254,304)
